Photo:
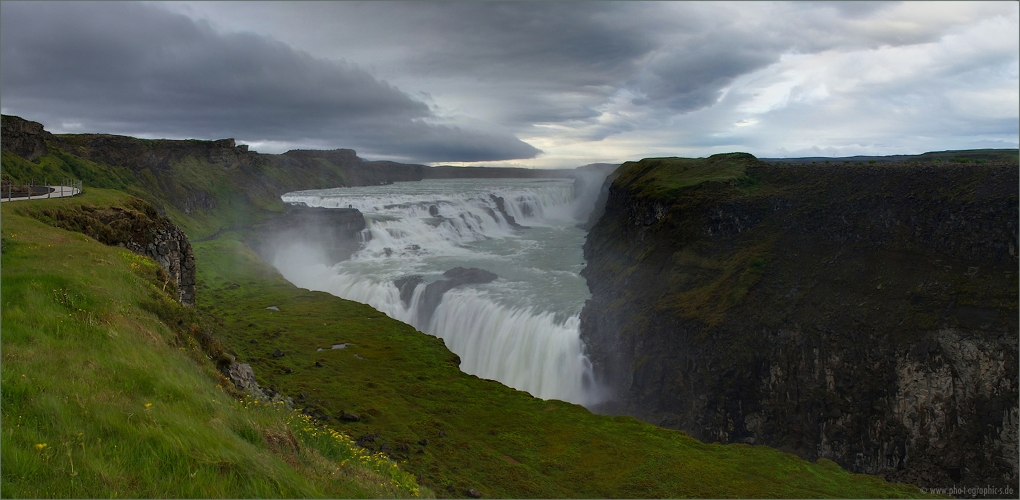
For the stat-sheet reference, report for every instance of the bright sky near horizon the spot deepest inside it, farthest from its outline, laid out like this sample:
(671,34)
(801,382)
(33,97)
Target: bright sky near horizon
(537,84)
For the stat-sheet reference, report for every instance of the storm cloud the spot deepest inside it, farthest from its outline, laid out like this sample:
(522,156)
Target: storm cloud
(135,68)
(545,84)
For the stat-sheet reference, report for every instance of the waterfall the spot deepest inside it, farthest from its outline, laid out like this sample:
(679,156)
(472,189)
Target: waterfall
(522,328)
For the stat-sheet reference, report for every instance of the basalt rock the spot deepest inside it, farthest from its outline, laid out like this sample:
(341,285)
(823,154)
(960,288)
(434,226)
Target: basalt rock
(337,232)
(243,378)
(24,138)
(457,276)
(863,314)
(138,227)
(501,206)
(170,247)
(406,286)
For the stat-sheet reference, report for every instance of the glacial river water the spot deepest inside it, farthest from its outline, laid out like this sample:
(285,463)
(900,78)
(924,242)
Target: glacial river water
(521,329)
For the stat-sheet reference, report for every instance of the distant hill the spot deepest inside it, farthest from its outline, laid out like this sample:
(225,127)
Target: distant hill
(958,156)
(217,184)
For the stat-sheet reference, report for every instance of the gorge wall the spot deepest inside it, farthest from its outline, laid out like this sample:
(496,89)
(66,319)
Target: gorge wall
(334,231)
(864,314)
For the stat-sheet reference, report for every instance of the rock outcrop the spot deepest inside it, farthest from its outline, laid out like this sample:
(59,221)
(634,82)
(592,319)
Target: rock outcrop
(24,138)
(432,295)
(501,206)
(138,227)
(334,231)
(864,314)
(243,378)
(169,246)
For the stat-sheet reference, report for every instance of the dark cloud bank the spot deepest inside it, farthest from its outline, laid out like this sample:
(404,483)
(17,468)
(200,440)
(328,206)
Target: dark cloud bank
(136,69)
(552,72)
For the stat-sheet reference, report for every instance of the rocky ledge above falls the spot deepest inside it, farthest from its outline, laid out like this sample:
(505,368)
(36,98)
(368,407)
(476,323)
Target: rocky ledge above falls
(334,231)
(864,314)
(138,227)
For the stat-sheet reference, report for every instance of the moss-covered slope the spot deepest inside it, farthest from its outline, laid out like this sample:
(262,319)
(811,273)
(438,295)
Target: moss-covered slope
(106,390)
(457,432)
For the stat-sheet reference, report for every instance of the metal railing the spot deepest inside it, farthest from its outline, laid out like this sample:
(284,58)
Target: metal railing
(32,191)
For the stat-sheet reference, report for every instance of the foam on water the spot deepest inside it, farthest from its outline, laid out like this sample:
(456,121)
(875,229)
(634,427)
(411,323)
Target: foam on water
(523,328)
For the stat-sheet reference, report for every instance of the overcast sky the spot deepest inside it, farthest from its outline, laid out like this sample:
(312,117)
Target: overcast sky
(523,83)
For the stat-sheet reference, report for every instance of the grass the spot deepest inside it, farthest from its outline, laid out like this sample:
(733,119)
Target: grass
(406,388)
(138,409)
(103,398)
(57,165)
(663,178)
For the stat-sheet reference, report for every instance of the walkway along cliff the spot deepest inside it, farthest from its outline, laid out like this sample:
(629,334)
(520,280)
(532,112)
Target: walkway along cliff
(864,314)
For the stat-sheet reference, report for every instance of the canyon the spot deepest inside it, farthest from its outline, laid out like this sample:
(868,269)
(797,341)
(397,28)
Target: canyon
(865,314)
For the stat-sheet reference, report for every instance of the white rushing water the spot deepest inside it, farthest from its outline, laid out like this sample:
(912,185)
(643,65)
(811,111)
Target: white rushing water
(521,329)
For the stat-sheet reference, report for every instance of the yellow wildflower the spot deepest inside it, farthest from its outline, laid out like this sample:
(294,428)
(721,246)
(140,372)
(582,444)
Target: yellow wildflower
(148,405)
(40,446)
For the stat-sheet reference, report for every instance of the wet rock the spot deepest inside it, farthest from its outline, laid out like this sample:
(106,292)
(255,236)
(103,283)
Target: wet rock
(501,206)
(424,442)
(336,230)
(473,493)
(469,275)
(349,417)
(457,276)
(406,287)
(278,353)
(434,210)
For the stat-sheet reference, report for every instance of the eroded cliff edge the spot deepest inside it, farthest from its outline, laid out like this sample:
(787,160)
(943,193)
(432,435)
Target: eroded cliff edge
(864,314)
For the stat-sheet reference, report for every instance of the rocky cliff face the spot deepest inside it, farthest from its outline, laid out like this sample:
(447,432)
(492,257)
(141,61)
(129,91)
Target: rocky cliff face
(169,246)
(24,138)
(138,227)
(864,314)
(334,231)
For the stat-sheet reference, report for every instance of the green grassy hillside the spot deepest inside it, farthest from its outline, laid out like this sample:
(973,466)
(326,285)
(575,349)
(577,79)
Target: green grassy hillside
(107,391)
(406,390)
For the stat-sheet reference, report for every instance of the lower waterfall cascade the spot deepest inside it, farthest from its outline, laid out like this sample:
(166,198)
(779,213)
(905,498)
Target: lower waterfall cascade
(522,328)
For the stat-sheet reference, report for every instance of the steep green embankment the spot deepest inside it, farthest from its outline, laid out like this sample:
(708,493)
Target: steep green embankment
(861,313)
(453,431)
(106,390)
